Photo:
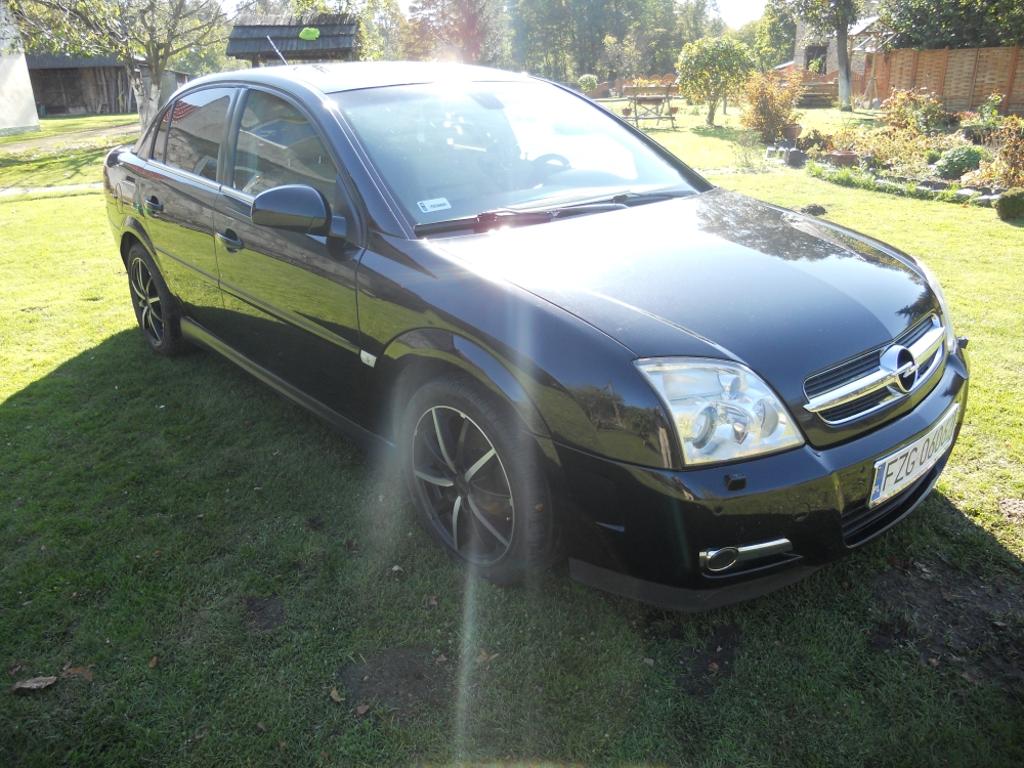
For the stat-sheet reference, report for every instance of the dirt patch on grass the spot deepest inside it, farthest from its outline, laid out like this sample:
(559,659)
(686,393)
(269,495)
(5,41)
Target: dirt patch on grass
(1012,509)
(406,681)
(702,669)
(956,621)
(263,614)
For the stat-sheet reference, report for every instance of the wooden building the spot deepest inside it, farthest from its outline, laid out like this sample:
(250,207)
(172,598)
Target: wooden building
(94,85)
(336,42)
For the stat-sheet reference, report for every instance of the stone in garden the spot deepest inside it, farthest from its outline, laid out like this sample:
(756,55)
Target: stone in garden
(814,209)
(985,200)
(795,158)
(966,194)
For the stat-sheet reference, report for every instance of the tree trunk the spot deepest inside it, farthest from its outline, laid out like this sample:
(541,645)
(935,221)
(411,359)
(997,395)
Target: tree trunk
(712,106)
(843,54)
(145,99)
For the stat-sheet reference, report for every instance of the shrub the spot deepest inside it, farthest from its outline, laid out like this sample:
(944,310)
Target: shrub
(915,110)
(587,83)
(814,140)
(1010,204)
(1011,151)
(981,126)
(957,161)
(769,103)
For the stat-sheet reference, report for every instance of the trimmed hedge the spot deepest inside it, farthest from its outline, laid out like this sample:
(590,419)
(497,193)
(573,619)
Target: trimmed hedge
(1011,204)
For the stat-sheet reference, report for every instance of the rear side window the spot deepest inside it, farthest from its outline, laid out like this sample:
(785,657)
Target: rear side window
(277,145)
(196,131)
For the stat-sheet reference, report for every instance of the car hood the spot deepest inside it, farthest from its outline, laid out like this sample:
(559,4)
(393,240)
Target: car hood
(716,274)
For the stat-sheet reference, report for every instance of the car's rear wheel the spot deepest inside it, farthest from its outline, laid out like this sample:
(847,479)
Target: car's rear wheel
(474,476)
(155,309)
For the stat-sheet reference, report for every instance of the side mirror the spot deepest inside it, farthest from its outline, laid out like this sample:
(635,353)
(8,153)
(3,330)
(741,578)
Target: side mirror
(293,206)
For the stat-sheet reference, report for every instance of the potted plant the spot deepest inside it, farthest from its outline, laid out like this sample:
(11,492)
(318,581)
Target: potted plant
(791,131)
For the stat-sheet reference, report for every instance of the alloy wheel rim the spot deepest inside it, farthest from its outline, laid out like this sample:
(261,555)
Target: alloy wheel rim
(147,300)
(461,477)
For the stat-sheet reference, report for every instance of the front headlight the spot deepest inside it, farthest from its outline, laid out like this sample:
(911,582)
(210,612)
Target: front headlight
(947,318)
(721,410)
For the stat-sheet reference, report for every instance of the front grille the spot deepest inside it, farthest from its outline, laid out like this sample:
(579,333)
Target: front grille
(863,385)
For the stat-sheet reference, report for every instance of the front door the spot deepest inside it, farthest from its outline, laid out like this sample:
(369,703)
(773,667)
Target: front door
(289,297)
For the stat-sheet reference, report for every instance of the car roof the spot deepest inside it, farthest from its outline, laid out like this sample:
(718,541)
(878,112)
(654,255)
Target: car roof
(349,76)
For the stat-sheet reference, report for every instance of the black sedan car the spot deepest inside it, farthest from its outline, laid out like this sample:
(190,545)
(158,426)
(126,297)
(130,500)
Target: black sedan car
(576,345)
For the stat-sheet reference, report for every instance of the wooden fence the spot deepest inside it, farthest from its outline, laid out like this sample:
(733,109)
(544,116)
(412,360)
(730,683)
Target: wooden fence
(963,78)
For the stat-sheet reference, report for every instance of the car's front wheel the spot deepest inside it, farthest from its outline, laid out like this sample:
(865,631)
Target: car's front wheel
(155,308)
(473,474)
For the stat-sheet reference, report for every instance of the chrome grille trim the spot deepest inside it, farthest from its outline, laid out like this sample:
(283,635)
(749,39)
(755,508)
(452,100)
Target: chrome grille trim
(879,387)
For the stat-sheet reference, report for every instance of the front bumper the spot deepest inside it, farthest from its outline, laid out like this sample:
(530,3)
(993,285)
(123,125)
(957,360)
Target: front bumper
(639,532)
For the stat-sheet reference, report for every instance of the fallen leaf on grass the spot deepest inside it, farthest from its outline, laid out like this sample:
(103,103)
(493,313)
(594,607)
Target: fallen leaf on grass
(336,697)
(83,672)
(261,727)
(431,601)
(153,662)
(485,658)
(33,684)
(713,667)
(362,709)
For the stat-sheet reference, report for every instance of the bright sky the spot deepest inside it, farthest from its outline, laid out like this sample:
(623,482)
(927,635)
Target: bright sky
(736,13)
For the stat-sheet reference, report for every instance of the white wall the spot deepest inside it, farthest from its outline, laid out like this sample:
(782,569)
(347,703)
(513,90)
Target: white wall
(17,104)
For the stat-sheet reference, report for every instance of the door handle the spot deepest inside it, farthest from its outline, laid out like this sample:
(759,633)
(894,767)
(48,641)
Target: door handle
(154,206)
(232,242)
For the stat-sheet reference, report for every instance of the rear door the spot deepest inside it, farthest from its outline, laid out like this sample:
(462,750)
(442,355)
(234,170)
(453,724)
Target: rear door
(178,193)
(289,297)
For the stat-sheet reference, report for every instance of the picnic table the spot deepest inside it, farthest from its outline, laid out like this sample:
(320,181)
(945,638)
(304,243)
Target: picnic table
(650,103)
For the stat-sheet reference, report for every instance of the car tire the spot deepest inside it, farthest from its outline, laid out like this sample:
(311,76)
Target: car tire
(156,310)
(463,451)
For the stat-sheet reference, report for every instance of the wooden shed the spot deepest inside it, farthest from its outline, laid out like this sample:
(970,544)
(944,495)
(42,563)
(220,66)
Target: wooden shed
(336,41)
(89,85)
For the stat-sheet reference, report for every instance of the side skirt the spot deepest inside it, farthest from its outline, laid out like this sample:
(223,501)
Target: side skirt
(370,441)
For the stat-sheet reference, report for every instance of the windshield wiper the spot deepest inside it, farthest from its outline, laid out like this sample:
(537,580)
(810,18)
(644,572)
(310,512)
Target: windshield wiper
(498,217)
(639,198)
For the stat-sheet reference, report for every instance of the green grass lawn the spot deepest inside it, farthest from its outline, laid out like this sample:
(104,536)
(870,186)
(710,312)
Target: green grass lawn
(220,562)
(66,150)
(51,169)
(723,146)
(71,126)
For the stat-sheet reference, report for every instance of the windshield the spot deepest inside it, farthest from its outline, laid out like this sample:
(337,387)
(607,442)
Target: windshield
(452,150)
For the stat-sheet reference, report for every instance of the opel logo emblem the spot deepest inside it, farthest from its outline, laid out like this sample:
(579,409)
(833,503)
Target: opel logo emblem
(900,363)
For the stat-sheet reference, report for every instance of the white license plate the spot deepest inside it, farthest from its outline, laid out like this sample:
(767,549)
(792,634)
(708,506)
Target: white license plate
(900,469)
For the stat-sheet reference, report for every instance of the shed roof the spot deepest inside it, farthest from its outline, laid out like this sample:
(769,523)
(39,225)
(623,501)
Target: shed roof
(60,61)
(248,39)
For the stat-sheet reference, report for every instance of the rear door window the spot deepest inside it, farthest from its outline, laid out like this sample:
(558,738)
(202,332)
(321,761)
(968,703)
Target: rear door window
(196,132)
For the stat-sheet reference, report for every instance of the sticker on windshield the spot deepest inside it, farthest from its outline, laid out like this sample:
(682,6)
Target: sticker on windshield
(437,204)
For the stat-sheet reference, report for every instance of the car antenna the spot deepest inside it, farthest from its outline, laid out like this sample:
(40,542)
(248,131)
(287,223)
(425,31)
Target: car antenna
(279,54)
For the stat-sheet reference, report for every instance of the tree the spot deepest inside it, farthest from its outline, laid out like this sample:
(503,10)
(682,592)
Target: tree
(696,19)
(713,68)
(953,23)
(475,31)
(620,58)
(775,37)
(542,38)
(832,17)
(152,32)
